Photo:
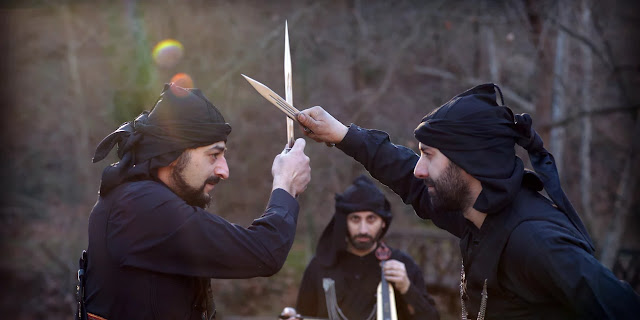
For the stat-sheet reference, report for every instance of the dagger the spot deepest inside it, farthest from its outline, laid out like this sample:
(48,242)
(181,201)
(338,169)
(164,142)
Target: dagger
(288,86)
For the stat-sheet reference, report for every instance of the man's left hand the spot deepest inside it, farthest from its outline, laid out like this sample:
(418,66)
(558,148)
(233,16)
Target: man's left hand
(396,273)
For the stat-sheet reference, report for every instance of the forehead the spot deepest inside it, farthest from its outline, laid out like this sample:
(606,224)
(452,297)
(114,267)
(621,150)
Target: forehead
(362,214)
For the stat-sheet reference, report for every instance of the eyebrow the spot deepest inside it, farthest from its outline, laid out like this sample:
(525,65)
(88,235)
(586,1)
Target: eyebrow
(219,148)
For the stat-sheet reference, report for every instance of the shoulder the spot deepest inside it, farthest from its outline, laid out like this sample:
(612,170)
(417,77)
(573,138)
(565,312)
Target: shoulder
(144,191)
(148,198)
(537,242)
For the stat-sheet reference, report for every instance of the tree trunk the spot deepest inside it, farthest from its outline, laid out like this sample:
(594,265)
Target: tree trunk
(81,135)
(585,141)
(558,108)
(544,77)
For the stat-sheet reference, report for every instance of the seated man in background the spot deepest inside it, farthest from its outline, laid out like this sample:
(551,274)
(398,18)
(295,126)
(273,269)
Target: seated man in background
(346,253)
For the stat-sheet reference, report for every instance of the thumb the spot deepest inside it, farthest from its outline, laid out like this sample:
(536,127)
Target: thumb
(299,145)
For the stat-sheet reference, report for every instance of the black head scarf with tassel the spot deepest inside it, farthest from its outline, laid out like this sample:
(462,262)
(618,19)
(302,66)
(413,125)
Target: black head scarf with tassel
(479,136)
(362,195)
(182,118)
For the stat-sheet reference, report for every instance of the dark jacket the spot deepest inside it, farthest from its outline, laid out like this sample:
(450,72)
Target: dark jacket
(534,260)
(150,253)
(356,280)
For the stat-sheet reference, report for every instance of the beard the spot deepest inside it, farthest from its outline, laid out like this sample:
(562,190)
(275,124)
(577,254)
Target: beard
(451,193)
(192,196)
(367,244)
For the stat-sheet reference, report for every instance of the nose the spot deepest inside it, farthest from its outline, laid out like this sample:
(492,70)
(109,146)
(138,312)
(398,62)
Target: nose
(362,228)
(221,168)
(421,170)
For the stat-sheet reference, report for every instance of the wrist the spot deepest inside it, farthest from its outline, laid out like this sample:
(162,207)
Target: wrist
(405,289)
(342,132)
(280,184)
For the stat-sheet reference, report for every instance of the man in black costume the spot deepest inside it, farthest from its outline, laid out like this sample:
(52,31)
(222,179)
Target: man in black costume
(346,253)
(524,256)
(152,246)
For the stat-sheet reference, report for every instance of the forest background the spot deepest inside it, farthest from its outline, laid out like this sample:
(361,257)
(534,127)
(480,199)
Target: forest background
(74,70)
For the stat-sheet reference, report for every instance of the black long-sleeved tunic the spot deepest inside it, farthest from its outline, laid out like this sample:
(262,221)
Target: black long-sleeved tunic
(356,279)
(149,250)
(536,264)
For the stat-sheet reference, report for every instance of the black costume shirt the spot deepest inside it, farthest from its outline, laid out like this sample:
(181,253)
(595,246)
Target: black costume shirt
(534,260)
(149,251)
(356,280)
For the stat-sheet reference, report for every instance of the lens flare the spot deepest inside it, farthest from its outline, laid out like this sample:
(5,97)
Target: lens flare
(167,53)
(183,80)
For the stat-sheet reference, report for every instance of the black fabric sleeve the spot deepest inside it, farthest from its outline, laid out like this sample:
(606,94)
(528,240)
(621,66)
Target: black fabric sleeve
(393,165)
(417,302)
(543,260)
(307,302)
(153,229)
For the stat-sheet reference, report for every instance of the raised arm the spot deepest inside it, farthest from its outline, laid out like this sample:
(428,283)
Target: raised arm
(389,163)
(156,230)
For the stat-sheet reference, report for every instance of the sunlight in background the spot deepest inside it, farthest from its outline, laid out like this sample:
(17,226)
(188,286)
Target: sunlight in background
(167,53)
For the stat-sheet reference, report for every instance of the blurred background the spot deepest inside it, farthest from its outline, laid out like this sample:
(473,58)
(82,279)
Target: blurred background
(75,70)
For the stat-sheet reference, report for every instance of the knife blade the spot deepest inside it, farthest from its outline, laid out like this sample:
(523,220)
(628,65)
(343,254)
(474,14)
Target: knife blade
(289,110)
(288,86)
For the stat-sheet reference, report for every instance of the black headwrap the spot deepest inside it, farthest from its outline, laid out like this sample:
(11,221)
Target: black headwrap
(362,195)
(181,119)
(479,136)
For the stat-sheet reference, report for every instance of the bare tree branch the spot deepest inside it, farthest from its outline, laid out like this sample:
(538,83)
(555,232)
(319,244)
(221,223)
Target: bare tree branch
(518,100)
(391,69)
(584,40)
(591,113)
(259,49)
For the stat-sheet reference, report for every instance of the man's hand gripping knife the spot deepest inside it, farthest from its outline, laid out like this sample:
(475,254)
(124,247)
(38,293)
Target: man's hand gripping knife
(291,171)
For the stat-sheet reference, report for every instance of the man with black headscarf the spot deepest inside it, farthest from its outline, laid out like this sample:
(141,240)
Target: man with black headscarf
(347,253)
(152,246)
(524,256)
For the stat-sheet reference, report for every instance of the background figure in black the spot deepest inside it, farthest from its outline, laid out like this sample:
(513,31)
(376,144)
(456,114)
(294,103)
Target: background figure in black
(152,246)
(346,254)
(531,253)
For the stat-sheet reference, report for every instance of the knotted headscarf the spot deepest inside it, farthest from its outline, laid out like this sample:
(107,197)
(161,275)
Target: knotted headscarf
(181,119)
(362,195)
(479,136)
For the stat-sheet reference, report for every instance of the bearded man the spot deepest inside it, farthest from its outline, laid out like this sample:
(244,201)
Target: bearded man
(152,246)
(524,256)
(346,254)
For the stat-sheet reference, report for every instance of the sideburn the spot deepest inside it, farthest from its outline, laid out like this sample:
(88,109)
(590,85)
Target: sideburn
(193,196)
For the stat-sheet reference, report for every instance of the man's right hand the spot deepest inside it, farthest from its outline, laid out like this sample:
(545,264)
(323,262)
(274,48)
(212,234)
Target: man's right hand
(322,125)
(291,171)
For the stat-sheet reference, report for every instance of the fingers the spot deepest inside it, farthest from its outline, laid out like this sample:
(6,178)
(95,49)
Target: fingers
(394,269)
(323,127)
(395,272)
(309,118)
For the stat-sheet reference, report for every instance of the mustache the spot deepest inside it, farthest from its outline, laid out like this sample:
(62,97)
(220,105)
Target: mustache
(429,182)
(363,235)
(212,180)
